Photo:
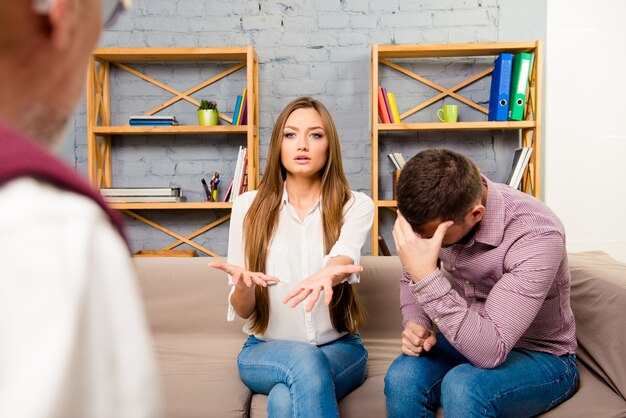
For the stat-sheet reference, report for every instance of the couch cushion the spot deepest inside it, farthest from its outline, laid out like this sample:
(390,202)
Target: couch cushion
(199,377)
(599,304)
(593,399)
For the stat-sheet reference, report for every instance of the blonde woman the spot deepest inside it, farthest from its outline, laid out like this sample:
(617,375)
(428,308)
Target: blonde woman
(293,256)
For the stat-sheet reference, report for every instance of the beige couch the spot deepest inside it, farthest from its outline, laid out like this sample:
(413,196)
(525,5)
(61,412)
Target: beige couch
(197,349)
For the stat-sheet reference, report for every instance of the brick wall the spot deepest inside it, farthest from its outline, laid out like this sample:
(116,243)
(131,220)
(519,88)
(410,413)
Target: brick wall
(320,48)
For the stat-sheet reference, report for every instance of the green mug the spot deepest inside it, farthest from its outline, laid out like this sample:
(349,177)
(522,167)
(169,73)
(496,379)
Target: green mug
(448,113)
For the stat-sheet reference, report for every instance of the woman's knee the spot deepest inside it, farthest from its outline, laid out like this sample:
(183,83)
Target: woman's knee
(310,365)
(279,401)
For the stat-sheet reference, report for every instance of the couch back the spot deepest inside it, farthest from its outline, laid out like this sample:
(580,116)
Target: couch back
(599,303)
(185,296)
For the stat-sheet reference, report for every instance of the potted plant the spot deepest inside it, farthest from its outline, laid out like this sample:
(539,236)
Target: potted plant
(208,113)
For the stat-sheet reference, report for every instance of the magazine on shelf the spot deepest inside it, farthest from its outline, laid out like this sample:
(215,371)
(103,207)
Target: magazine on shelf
(152,120)
(144,199)
(140,191)
(521,159)
(238,175)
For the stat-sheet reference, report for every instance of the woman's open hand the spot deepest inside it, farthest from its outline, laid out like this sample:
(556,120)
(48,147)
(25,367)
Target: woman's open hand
(324,280)
(244,278)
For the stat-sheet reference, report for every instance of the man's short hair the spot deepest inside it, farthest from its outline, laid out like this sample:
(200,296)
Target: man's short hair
(438,184)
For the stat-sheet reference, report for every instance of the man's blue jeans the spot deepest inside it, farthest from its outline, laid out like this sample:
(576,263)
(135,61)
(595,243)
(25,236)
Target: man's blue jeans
(526,384)
(303,380)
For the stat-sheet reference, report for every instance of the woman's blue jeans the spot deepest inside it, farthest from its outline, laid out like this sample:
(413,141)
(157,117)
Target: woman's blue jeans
(300,379)
(526,384)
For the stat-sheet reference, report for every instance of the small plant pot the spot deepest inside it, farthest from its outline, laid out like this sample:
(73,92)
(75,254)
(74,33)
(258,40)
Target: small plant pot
(208,117)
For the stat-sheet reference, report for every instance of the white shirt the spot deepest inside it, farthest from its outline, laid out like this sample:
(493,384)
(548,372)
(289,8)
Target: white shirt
(73,337)
(297,252)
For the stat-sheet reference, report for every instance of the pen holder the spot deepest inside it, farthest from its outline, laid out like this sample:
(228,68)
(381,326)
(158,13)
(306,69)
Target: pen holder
(396,176)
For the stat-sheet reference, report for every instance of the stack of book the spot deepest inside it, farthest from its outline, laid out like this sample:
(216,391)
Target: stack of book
(387,108)
(152,121)
(142,194)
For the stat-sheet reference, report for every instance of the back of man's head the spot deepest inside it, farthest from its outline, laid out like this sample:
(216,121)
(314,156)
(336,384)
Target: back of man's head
(438,184)
(45,47)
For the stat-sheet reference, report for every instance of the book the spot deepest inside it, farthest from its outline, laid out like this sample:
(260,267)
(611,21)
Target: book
(521,158)
(144,199)
(235,188)
(384,249)
(241,105)
(140,191)
(152,120)
(397,159)
(236,113)
(522,63)
(394,108)
(395,162)
(152,117)
(243,120)
(243,175)
(386,98)
(226,197)
(500,88)
(152,123)
(383,114)
(400,159)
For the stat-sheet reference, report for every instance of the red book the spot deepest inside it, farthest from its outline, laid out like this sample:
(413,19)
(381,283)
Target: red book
(387,106)
(382,107)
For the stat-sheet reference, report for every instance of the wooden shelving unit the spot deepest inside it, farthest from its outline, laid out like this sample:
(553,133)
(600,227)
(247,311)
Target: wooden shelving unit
(101,133)
(530,128)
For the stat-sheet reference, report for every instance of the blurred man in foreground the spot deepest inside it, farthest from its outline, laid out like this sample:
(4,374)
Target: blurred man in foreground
(74,337)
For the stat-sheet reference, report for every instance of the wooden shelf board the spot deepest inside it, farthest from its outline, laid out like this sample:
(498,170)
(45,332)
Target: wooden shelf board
(454,126)
(386,203)
(181,129)
(452,50)
(180,205)
(171,54)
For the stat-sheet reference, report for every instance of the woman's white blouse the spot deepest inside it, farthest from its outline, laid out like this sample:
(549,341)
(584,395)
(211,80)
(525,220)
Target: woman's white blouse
(297,252)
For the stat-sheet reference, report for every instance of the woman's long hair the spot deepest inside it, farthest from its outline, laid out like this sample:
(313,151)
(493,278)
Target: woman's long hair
(346,312)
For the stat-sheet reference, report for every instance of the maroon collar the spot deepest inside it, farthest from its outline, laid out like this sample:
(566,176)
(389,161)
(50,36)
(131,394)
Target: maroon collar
(22,157)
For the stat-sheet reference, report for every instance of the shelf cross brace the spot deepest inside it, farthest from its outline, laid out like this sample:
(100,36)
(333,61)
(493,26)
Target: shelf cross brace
(181,95)
(180,238)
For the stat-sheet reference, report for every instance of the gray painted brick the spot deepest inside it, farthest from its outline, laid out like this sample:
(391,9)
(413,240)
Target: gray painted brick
(333,21)
(261,22)
(365,21)
(473,17)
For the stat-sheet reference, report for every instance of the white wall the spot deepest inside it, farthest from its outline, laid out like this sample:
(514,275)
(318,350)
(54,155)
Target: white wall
(585,135)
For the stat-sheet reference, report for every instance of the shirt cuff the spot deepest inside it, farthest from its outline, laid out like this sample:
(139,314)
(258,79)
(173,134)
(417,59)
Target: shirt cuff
(418,320)
(431,287)
(230,315)
(345,251)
